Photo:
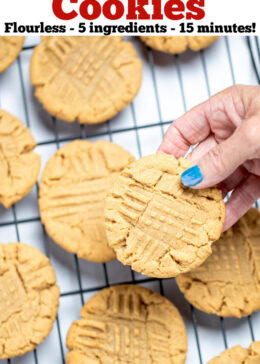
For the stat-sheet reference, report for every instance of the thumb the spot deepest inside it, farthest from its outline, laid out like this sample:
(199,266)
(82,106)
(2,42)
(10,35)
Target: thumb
(220,161)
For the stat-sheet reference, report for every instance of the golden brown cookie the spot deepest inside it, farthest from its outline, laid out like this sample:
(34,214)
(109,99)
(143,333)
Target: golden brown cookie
(157,225)
(127,324)
(228,282)
(19,165)
(10,47)
(179,44)
(29,299)
(239,355)
(89,79)
(72,193)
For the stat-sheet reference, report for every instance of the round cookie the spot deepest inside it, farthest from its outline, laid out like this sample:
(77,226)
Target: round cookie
(29,299)
(157,225)
(239,355)
(19,165)
(227,284)
(178,44)
(89,79)
(127,324)
(72,193)
(10,47)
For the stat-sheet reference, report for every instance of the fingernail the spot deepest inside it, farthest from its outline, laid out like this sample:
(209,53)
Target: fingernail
(192,176)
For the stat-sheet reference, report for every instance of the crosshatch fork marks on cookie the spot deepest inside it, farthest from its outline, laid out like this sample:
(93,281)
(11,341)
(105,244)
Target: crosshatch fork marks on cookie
(86,78)
(229,280)
(19,165)
(128,324)
(229,50)
(10,47)
(72,193)
(29,298)
(155,224)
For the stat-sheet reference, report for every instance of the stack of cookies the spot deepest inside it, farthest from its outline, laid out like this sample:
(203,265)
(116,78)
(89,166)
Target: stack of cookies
(97,202)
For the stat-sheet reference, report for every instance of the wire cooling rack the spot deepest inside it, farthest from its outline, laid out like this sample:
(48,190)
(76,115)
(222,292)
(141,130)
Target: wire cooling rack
(171,85)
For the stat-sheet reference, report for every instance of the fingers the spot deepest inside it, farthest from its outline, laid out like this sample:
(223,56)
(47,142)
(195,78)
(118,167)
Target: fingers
(242,198)
(253,166)
(174,143)
(223,159)
(233,180)
(202,149)
(189,129)
(219,115)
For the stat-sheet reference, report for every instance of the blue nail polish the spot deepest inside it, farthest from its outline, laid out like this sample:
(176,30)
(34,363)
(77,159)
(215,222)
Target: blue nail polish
(192,176)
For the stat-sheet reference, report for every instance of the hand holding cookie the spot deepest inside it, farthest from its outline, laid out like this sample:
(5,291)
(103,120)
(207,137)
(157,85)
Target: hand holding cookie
(226,128)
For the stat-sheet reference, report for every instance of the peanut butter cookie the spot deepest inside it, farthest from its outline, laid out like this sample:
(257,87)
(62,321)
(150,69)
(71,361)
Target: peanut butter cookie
(228,283)
(89,79)
(72,193)
(19,165)
(239,355)
(10,47)
(157,225)
(127,324)
(179,44)
(29,299)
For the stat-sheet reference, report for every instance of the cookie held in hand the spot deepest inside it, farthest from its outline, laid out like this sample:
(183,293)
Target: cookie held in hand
(156,224)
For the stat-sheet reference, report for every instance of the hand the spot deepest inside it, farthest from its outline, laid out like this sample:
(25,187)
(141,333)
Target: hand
(227,130)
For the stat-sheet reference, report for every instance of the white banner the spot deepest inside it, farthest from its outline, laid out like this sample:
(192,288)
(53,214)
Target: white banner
(129,17)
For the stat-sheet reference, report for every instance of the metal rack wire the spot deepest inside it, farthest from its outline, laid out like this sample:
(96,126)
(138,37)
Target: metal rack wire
(80,291)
